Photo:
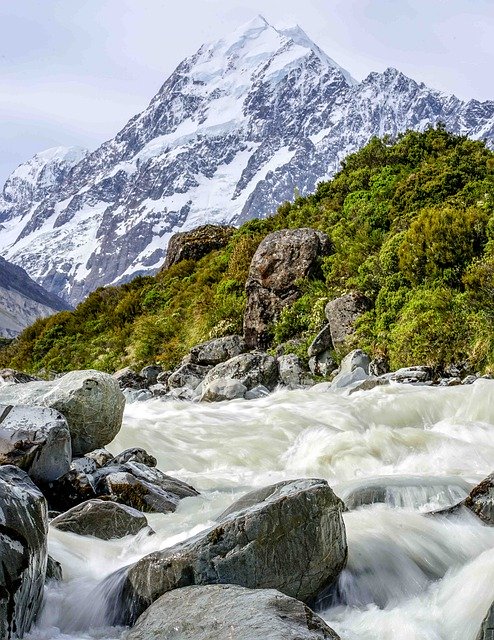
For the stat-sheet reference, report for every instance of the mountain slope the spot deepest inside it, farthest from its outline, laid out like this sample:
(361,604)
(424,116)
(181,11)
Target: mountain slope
(236,129)
(22,301)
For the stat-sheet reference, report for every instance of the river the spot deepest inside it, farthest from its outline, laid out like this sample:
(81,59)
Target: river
(408,576)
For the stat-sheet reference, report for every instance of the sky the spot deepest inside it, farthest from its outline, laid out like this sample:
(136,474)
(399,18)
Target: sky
(73,72)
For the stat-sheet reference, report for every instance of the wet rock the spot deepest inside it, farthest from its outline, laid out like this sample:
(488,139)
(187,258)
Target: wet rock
(100,456)
(188,376)
(226,611)
(223,389)
(481,500)
(35,439)
(163,377)
(150,374)
(195,244)
(342,314)
(127,378)
(348,380)
(378,366)
(354,360)
(369,383)
(158,390)
(410,375)
(69,490)
(323,364)
(83,465)
(101,519)
(449,382)
(292,373)
(289,536)
(141,487)
(250,369)
(282,258)
(23,533)
(11,376)
(137,395)
(53,570)
(470,379)
(486,631)
(257,392)
(321,343)
(136,454)
(90,401)
(218,350)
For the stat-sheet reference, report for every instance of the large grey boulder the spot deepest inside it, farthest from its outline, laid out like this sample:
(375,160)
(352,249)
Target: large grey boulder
(101,519)
(218,350)
(292,373)
(353,360)
(197,243)
(23,554)
(289,536)
(342,314)
(35,439)
(188,376)
(481,500)
(410,375)
(250,369)
(223,389)
(281,259)
(226,611)
(91,402)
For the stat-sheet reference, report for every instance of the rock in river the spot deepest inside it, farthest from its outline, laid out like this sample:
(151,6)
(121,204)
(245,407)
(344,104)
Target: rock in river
(226,611)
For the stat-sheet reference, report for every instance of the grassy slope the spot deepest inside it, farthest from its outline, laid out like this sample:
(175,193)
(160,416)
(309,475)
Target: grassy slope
(412,227)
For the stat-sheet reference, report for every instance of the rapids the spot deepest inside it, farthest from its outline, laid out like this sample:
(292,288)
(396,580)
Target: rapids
(409,576)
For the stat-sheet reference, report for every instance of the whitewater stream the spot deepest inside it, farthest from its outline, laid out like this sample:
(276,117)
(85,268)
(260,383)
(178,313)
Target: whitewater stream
(408,576)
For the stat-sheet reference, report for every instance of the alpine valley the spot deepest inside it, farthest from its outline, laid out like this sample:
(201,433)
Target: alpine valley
(238,128)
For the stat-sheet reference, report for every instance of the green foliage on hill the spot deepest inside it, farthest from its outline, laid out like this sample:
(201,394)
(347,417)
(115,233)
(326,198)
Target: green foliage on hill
(412,227)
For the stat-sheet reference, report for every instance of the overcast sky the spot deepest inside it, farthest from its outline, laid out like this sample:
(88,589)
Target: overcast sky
(74,71)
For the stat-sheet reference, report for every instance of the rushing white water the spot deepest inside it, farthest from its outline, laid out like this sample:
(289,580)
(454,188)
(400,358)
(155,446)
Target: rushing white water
(409,576)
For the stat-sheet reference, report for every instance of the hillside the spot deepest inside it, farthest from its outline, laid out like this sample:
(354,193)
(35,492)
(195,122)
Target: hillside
(240,126)
(412,227)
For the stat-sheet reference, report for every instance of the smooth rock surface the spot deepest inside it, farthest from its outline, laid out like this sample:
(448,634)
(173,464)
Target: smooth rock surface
(289,536)
(223,389)
(353,360)
(91,402)
(226,612)
(23,554)
(282,258)
(101,519)
(35,439)
(342,313)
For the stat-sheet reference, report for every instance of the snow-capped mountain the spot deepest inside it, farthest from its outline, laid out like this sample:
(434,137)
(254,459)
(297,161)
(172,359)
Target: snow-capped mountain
(22,301)
(232,133)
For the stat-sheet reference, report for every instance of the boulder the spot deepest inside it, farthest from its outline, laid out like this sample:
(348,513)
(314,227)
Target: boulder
(150,373)
(323,364)
(195,244)
(291,372)
(378,366)
(218,350)
(349,380)
(367,384)
(481,500)
(226,611)
(158,390)
(289,536)
(353,360)
(83,465)
(136,454)
(11,376)
(53,570)
(250,369)
(342,313)
(410,375)
(69,490)
(23,554)
(101,519)
(257,392)
(136,395)
(91,402)
(127,378)
(322,342)
(35,439)
(282,258)
(100,456)
(223,389)
(188,376)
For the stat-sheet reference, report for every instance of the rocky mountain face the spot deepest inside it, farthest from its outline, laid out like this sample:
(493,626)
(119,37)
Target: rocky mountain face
(22,301)
(237,129)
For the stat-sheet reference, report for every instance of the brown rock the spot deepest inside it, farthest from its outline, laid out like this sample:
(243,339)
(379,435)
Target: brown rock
(195,244)
(342,313)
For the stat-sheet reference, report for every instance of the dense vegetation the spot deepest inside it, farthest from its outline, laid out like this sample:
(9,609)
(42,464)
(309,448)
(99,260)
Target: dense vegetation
(412,227)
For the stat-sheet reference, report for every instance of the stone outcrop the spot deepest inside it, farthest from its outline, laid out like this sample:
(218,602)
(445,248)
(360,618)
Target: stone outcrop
(218,350)
(35,439)
(101,519)
(195,244)
(282,258)
(226,611)
(91,402)
(23,554)
(342,313)
(289,536)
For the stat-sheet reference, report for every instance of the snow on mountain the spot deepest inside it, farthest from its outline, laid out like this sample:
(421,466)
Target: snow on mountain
(22,301)
(230,135)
